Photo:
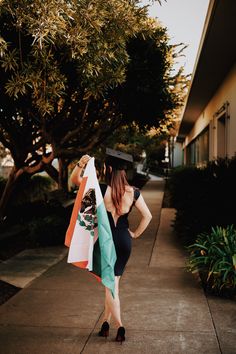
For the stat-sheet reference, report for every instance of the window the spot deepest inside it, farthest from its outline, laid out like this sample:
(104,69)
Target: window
(221,131)
(203,147)
(198,149)
(221,137)
(191,153)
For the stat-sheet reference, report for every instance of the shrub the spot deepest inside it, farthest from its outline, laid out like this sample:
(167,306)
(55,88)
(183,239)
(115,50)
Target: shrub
(213,255)
(47,231)
(203,197)
(138,180)
(29,199)
(31,189)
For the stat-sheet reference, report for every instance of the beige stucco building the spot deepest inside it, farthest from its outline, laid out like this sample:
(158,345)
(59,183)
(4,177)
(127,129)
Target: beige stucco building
(208,127)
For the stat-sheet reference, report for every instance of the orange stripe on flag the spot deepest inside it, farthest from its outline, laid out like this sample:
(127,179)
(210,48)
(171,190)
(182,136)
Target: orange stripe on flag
(96,276)
(75,212)
(82,264)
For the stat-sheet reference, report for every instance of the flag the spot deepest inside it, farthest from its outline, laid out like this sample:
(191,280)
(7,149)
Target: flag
(89,235)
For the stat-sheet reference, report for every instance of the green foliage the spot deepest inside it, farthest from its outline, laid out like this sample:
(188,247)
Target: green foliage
(129,139)
(203,197)
(47,231)
(135,140)
(31,189)
(60,54)
(154,162)
(74,71)
(151,92)
(3,46)
(91,34)
(213,255)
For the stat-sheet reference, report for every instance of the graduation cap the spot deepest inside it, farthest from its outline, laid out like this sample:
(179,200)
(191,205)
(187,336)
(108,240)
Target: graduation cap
(118,160)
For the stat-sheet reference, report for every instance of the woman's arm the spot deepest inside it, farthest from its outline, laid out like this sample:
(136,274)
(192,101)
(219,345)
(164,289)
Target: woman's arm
(146,217)
(75,176)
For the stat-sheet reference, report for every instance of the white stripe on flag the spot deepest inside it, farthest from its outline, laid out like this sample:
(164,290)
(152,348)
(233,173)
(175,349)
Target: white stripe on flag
(82,243)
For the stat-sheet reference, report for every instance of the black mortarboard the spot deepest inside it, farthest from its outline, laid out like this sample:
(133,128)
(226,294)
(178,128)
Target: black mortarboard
(118,160)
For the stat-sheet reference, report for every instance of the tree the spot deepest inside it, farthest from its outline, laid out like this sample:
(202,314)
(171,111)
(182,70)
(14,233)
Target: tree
(135,141)
(61,62)
(40,43)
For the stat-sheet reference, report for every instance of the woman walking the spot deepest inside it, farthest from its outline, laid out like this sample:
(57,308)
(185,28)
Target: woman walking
(119,198)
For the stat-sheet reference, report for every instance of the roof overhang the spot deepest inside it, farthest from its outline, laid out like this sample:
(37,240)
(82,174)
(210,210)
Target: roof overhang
(216,56)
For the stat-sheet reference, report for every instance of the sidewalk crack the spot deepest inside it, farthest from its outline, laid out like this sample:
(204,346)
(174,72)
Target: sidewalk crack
(155,238)
(90,334)
(213,322)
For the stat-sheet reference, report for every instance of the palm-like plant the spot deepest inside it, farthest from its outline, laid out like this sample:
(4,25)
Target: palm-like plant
(213,255)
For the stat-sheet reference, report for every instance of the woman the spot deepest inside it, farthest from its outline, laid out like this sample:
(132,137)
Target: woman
(119,198)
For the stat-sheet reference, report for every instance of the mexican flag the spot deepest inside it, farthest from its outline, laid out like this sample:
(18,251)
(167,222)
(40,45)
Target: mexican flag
(89,236)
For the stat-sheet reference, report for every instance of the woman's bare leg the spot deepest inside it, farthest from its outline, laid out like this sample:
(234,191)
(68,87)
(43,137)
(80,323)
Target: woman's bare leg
(113,304)
(107,312)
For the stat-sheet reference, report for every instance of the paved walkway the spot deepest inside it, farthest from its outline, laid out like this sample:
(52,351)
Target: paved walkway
(29,264)
(164,309)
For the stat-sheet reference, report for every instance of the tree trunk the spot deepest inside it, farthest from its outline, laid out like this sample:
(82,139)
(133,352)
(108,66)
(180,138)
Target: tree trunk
(13,176)
(52,172)
(63,174)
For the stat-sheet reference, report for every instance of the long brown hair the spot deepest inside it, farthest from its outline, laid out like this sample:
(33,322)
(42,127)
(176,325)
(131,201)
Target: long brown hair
(117,180)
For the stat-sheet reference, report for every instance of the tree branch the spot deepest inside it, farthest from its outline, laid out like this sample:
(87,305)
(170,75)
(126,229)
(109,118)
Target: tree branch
(97,137)
(45,160)
(74,132)
(37,145)
(52,172)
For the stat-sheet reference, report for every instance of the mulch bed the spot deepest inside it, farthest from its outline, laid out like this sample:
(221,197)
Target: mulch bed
(7,291)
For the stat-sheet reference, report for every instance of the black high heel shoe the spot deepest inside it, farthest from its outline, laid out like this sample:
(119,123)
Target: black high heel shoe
(104,332)
(120,337)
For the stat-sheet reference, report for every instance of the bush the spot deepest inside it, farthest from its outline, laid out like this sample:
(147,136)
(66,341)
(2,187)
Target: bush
(203,197)
(30,189)
(22,214)
(213,255)
(47,231)
(29,199)
(138,180)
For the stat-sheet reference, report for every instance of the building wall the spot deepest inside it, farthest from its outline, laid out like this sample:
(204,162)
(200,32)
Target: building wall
(222,126)
(177,158)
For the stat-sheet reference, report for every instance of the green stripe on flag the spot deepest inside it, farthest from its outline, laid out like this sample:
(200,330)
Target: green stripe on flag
(97,259)
(107,248)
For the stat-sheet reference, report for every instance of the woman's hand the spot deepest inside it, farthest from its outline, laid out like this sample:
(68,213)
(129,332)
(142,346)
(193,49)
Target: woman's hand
(132,234)
(77,171)
(83,161)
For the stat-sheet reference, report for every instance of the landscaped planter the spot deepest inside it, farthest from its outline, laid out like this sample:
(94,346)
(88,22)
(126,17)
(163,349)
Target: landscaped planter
(213,256)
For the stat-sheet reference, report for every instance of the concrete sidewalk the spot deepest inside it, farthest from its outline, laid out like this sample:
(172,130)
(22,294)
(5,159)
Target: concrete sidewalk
(164,309)
(29,264)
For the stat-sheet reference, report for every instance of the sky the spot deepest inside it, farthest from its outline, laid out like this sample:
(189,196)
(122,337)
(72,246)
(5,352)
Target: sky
(184,20)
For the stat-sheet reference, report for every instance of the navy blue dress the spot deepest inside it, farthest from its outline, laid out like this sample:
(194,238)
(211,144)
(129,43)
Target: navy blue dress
(121,236)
